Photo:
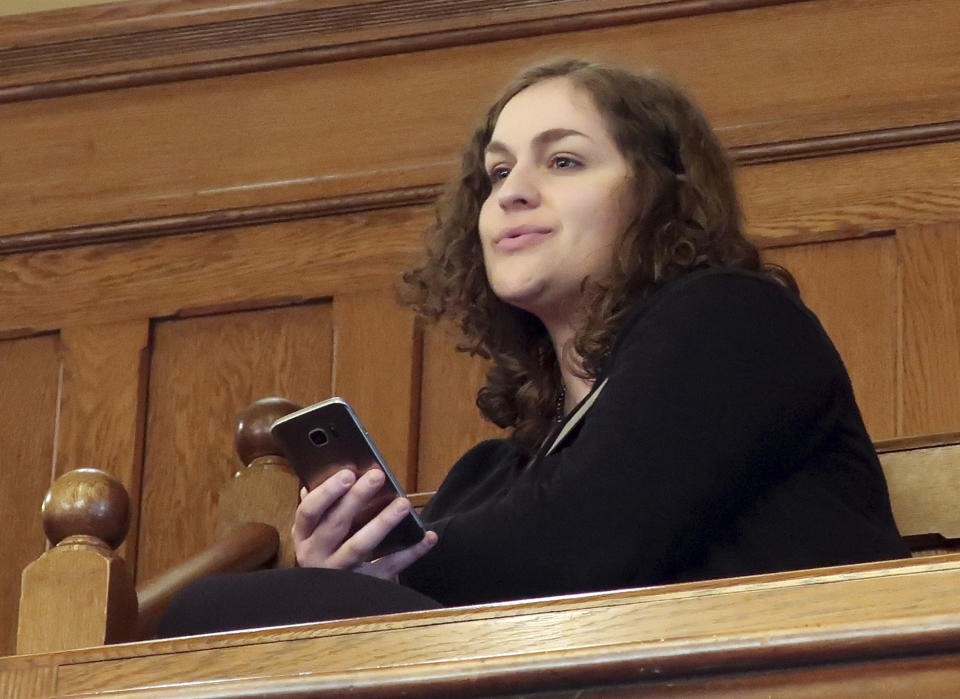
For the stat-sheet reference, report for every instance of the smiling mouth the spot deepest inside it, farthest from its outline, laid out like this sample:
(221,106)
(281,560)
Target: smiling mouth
(521,237)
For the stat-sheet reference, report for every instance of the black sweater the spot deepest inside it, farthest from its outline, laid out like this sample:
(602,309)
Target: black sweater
(726,442)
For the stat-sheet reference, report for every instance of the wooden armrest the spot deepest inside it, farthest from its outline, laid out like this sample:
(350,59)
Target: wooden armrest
(245,547)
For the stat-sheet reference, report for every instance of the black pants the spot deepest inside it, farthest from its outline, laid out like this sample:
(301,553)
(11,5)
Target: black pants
(232,601)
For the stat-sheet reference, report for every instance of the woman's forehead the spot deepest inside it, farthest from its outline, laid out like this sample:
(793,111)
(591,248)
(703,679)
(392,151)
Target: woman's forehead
(554,105)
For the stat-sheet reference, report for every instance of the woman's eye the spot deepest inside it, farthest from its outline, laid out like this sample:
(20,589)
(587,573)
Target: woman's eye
(498,173)
(563,162)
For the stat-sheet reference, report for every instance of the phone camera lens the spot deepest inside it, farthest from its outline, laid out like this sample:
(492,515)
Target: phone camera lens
(318,437)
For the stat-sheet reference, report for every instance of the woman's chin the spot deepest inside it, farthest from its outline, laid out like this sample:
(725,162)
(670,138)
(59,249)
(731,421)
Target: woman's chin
(523,296)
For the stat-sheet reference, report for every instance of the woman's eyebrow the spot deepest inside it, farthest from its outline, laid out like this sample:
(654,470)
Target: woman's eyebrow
(541,139)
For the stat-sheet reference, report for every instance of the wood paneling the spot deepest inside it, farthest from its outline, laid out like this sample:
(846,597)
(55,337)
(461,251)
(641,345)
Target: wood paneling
(128,154)
(204,372)
(243,172)
(852,195)
(29,373)
(247,267)
(450,422)
(852,287)
(376,368)
(103,409)
(148,36)
(931,328)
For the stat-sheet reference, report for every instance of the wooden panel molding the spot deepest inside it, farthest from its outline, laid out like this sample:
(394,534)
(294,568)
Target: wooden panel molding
(218,220)
(204,372)
(283,35)
(931,328)
(848,196)
(851,196)
(169,150)
(29,383)
(448,397)
(103,409)
(183,224)
(376,368)
(823,146)
(852,287)
(208,272)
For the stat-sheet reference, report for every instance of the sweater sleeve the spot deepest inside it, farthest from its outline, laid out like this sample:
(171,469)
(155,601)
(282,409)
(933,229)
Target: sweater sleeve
(718,390)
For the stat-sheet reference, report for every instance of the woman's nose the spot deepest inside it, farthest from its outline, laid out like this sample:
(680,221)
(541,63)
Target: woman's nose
(519,190)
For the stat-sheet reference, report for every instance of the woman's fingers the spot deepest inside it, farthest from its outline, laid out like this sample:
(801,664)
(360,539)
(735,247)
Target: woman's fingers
(389,566)
(324,518)
(359,547)
(316,503)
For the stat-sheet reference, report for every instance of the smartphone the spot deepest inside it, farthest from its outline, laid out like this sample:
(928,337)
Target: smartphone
(324,439)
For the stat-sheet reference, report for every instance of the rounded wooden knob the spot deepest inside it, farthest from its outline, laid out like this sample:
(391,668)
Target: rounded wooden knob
(253,437)
(89,502)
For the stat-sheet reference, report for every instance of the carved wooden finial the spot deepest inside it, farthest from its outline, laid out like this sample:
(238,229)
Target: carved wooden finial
(252,437)
(266,490)
(86,502)
(79,593)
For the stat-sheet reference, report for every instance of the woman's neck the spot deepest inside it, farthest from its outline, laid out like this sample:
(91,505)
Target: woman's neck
(561,335)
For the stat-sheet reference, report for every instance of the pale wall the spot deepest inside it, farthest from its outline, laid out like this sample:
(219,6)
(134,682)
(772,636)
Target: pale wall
(14,7)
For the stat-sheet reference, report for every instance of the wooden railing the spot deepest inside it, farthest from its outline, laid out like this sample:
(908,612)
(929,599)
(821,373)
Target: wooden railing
(79,593)
(809,627)
(888,629)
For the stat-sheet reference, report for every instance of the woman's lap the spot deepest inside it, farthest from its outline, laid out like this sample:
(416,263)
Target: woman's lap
(232,601)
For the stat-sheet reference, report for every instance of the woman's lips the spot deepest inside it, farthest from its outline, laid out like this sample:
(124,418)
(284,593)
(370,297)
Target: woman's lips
(521,237)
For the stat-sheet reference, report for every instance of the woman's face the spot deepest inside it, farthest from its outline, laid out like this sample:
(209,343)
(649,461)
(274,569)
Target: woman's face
(559,202)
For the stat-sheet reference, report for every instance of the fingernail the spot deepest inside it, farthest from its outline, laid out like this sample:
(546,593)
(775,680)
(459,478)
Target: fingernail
(346,478)
(401,507)
(376,476)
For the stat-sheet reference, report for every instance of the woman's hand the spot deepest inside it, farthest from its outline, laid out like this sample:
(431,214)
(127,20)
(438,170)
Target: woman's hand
(323,519)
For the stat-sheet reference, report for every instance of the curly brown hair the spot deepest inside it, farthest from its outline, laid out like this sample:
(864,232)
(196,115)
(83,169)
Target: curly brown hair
(688,218)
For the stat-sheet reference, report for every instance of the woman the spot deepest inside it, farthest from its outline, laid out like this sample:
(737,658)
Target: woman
(676,412)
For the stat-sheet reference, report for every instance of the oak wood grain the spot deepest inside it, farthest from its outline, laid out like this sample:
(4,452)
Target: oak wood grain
(917,442)
(77,594)
(266,491)
(851,196)
(743,624)
(450,422)
(931,328)
(927,677)
(852,287)
(29,371)
(148,37)
(89,170)
(238,217)
(103,409)
(27,682)
(376,368)
(208,272)
(245,547)
(204,371)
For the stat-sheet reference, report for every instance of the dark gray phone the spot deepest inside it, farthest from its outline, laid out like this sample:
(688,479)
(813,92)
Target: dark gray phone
(325,438)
